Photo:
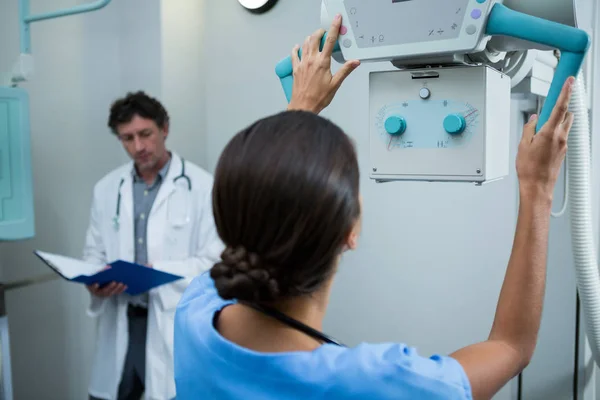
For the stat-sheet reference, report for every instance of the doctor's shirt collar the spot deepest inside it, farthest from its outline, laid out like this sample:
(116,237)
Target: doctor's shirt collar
(162,173)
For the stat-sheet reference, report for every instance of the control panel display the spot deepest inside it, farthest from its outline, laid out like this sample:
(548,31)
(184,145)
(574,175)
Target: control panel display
(378,23)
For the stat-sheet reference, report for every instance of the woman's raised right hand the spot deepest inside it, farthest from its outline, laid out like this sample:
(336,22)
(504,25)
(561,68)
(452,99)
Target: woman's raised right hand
(540,155)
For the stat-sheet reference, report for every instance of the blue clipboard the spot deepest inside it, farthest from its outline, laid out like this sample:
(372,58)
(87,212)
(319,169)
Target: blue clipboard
(138,278)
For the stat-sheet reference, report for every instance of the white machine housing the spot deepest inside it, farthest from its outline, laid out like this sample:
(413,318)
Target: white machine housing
(388,30)
(425,151)
(475,72)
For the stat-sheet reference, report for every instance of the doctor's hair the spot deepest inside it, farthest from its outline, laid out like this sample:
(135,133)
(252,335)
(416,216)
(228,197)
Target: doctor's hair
(285,199)
(138,103)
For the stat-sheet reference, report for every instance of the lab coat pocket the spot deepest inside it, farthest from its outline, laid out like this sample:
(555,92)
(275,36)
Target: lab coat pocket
(179,213)
(177,242)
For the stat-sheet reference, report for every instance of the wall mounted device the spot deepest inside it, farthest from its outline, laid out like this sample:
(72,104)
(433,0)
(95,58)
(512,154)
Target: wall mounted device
(17,218)
(16,182)
(16,188)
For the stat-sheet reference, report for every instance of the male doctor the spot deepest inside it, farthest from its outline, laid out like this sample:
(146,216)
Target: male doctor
(155,211)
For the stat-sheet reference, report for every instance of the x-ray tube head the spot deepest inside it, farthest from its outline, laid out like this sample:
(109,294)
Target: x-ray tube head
(443,32)
(389,30)
(465,55)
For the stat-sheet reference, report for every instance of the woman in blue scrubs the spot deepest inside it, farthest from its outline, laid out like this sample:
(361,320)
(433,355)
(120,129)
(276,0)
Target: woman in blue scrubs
(287,205)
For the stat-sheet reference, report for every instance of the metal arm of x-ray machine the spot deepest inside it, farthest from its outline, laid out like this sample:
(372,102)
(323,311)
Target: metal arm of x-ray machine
(24,66)
(16,184)
(16,191)
(447,105)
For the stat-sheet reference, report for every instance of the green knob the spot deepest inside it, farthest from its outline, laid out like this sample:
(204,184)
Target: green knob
(455,124)
(395,126)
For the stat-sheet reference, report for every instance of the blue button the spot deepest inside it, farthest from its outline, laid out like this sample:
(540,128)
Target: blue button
(481,1)
(395,125)
(476,13)
(454,124)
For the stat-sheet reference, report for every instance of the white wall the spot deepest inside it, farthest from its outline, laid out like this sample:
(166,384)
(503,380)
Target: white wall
(434,270)
(184,75)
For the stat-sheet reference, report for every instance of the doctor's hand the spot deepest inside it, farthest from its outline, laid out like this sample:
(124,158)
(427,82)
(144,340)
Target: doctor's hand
(314,85)
(112,289)
(540,155)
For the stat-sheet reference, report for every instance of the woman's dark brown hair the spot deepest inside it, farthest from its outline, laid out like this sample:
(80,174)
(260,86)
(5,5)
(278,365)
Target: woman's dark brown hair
(285,199)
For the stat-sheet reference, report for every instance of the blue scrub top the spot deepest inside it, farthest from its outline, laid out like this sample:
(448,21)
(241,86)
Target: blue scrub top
(208,366)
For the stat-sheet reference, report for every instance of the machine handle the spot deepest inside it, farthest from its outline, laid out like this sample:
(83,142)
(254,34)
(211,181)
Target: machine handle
(573,44)
(285,69)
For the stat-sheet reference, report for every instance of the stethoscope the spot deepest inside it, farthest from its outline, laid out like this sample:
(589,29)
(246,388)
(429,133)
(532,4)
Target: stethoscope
(292,323)
(182,175)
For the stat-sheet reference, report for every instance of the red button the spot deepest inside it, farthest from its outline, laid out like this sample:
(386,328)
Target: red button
(343,30)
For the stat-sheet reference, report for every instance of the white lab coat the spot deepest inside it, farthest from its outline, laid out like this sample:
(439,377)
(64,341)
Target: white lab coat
(188,251)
